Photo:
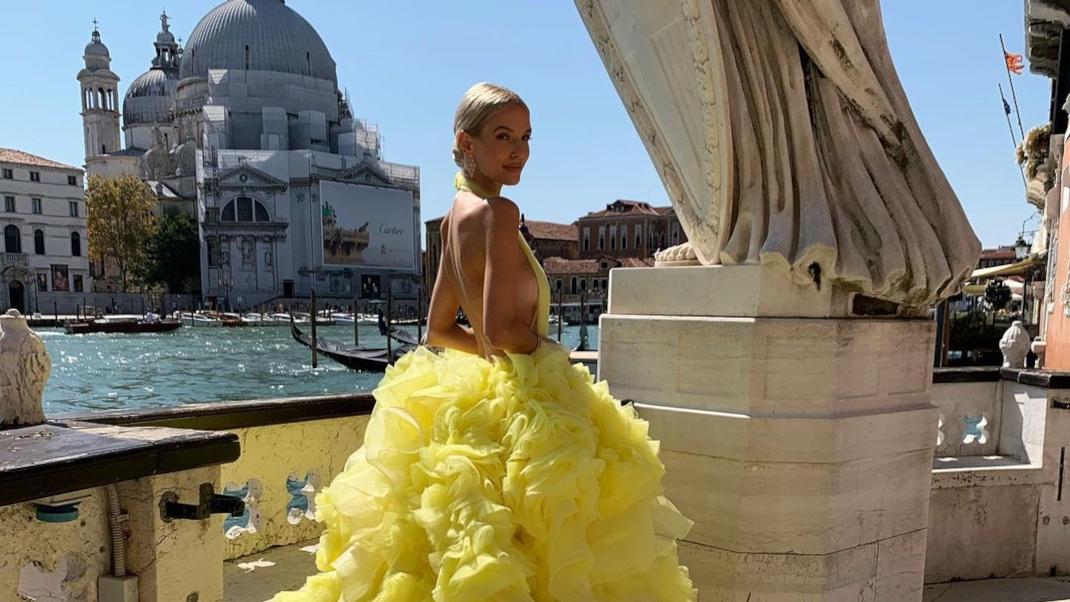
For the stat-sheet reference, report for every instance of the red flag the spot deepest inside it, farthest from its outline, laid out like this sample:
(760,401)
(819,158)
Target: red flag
(1014,62)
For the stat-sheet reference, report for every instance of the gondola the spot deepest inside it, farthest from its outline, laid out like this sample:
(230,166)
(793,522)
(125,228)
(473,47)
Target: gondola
(368,359)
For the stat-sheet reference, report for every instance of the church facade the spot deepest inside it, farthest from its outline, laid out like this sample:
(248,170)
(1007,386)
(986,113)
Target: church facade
(246,128)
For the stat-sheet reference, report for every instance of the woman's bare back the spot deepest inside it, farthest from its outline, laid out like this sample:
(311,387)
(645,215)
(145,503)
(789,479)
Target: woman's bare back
(464,262)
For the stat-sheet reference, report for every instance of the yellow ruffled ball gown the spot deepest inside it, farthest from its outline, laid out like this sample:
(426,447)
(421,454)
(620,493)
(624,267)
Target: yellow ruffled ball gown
(512,479)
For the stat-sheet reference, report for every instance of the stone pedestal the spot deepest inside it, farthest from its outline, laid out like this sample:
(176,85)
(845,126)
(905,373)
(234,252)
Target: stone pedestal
(797,437)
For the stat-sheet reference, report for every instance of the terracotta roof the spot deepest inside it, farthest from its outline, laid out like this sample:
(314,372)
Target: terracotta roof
(10,155)
(625,207)
(664,210)
(636,262)
(552,231)
(560,265)
(539,230)
(1000,253)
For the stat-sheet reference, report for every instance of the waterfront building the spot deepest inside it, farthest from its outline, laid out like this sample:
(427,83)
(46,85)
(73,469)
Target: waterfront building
(1047,189)
(1002,255)
(45,253)
(246,127)
(628,229)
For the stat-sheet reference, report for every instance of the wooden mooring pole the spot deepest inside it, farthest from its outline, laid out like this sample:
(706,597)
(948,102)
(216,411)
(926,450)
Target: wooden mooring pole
(389,343)
(313,318)
(419,315)
(356,323)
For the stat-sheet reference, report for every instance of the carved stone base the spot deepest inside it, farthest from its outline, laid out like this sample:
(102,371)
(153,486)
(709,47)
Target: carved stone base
(800,446)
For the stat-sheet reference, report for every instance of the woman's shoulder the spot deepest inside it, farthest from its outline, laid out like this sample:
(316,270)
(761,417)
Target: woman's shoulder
(489,211)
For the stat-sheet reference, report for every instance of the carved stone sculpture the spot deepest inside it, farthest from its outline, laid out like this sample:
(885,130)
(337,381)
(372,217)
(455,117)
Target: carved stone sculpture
(24,369)
(1015,344)
(784,137)
(158,162)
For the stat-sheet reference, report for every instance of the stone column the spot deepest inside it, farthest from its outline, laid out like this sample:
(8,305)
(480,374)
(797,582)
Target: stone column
(797,435)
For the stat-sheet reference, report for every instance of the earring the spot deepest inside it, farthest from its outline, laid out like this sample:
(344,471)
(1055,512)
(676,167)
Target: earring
(469,166)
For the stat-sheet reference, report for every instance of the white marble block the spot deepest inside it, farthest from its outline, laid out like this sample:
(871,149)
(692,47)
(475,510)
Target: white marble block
(798,438)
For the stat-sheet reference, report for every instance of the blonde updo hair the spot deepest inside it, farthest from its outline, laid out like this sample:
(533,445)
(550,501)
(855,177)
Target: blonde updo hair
(479,103)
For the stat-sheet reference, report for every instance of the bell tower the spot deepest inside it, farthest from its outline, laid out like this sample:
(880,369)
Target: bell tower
(100,100)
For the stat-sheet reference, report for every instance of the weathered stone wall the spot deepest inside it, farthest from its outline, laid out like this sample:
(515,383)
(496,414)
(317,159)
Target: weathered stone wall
(60,560)
(308,453)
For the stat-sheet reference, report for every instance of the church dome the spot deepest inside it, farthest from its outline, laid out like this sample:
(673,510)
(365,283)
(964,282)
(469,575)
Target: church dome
(264,35)
(150,98)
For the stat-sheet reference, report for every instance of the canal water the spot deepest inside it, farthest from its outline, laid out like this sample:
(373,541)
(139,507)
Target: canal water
(192,365)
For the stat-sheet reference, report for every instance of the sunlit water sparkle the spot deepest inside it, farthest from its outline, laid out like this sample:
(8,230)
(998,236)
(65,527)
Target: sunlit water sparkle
(193,365)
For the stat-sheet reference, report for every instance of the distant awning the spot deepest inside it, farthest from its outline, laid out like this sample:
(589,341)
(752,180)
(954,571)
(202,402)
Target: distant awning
(1009,269)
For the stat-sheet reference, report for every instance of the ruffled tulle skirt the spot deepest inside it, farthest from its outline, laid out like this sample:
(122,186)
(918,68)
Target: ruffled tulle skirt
(506,480)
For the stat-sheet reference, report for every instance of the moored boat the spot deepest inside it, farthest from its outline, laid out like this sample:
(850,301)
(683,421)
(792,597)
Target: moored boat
(150,323)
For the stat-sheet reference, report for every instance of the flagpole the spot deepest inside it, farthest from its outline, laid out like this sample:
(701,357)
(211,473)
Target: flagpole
(1010,128)
(1014,95)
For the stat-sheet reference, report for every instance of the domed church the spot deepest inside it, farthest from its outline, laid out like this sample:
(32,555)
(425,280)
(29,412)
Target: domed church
(246,128)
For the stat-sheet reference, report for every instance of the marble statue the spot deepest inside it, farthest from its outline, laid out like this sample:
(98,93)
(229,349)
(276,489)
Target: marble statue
(783,136)
(24,369)
(1015,344)
(158,162)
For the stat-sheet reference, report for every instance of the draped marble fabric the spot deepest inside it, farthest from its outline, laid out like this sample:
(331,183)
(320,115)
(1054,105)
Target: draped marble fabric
(784,137)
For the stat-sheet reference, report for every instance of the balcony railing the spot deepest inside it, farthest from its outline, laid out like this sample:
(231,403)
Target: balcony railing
(13,259)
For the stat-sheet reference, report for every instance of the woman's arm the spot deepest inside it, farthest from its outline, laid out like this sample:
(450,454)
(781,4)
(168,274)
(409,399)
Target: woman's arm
(442,327)
(504,263)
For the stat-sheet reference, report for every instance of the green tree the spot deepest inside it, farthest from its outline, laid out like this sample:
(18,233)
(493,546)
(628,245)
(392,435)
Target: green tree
(120,222)
(174,254)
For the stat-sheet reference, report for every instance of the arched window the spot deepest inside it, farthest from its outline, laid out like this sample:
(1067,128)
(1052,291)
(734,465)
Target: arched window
(12,239)
(245,209)
(76,244)
(573,285)
(583,284)
(39,242)
(558,285)
(100,99)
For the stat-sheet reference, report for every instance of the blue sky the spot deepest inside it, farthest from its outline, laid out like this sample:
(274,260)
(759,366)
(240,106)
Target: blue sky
(406,64)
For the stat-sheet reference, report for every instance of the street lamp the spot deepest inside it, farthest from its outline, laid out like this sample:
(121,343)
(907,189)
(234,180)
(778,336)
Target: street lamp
(1021,248)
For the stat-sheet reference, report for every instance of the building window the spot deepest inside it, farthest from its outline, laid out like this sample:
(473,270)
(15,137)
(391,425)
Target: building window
(245,209)
(72,180)
(42,282)
(76,244)
(583,284)
(36,206)
(74,208)
(12,239)
(35,176)
(9,204)
(8,174)
(573,285)
(39,242)
(557,285)
(624,241)
(77,283)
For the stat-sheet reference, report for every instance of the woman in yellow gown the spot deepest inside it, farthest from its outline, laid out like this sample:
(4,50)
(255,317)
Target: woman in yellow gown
(494,470)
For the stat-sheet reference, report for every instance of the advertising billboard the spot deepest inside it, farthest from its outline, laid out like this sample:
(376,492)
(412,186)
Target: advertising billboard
(367,226)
